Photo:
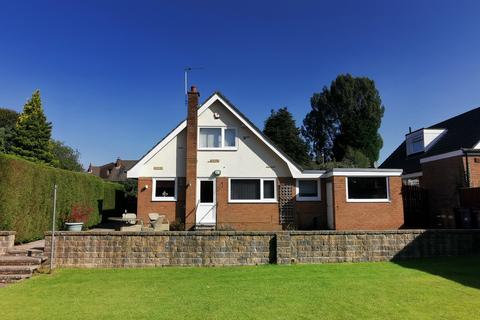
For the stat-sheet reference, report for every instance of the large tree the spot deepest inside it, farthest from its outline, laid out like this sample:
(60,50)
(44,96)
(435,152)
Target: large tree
(280,127)
(65,157)
(345,117)
(8,119)
(32,132)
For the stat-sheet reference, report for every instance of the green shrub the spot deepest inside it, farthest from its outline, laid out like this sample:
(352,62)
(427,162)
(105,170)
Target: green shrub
(26,196)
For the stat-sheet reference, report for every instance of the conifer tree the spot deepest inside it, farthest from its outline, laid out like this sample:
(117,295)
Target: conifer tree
(32,132)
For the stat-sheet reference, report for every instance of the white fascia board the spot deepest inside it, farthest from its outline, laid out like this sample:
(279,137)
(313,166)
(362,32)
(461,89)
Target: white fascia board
(477,146)
(310,175)
(363,173)
(412,175)
(442,156)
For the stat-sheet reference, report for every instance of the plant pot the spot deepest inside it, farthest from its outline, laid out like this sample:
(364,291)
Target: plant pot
(74,226)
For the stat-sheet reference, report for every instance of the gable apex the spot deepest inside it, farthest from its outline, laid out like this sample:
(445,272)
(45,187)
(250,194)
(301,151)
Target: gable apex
(295,170)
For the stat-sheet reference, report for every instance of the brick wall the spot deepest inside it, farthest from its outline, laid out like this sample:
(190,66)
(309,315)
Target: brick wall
(174,211)
(368,215)
(245,216)
(474,170)
(140,249)
(7,239)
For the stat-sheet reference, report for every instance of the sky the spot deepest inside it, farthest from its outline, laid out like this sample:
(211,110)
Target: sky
(111,72)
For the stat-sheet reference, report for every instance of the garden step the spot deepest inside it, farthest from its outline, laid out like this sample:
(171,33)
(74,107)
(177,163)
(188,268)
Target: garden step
(19,261)
(4,270)
(9,278)
(25,252)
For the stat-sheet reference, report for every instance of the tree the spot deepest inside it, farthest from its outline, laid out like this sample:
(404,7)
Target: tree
(346,115)
(32,132)
(280,127)
(8,118)
(65,157)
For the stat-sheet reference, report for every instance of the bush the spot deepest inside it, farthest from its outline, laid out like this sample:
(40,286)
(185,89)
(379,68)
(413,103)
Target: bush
(26,196)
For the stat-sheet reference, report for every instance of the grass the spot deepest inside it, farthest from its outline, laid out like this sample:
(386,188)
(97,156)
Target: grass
(424,289)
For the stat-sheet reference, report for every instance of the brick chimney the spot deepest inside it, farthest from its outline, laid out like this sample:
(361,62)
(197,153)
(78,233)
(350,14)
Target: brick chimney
(191,161)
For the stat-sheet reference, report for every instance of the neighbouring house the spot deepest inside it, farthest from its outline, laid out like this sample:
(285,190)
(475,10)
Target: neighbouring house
(442,159)
(217,170)
(113,171)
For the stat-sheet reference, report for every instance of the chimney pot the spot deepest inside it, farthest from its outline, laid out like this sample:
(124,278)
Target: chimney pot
(193,89)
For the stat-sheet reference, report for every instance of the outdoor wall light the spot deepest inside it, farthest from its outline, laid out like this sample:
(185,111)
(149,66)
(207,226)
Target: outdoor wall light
(217,172)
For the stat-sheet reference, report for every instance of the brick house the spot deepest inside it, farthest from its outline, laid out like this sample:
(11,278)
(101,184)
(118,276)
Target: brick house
(217,170)
(442,159)
(113,171)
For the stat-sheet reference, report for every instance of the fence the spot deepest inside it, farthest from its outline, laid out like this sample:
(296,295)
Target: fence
(415,206)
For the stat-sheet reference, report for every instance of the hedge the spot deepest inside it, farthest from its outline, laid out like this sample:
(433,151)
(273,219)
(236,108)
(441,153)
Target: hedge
(26,196)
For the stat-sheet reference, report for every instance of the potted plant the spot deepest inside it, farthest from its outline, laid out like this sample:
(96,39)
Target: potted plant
(77,217)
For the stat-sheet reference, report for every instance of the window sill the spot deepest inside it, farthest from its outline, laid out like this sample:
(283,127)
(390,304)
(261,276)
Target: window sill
(164,199)
(369,200)
(306,199)
(218,149)
(253,201)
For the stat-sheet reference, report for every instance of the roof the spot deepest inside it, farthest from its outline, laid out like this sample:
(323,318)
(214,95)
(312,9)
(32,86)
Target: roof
(113,171)
(295,169)
(462,132)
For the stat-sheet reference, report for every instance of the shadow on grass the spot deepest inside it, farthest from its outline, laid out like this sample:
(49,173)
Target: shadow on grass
(451,254)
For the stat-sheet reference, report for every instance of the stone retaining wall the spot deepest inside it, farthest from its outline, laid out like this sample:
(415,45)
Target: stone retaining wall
(7,239)
(152,249)
(220,248)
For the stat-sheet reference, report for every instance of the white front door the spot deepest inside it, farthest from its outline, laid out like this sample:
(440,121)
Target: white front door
(330,206)
(206,201)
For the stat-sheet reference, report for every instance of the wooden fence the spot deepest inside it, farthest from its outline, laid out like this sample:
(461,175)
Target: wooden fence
(470,198)
(415,206)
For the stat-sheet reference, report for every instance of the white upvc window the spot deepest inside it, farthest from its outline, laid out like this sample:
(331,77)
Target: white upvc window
(252,190)
(367,189)
(217,138)
(308,190)
(164,189)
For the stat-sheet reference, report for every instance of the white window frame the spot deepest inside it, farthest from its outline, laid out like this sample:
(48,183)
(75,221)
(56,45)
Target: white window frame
(262,199)
(222,139)
(387,199)
(154,188)
(317,198)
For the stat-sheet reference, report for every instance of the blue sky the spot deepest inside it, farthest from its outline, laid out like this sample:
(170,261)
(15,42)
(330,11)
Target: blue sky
(111,72)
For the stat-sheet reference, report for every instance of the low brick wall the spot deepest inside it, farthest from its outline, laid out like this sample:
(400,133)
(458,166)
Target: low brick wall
(221,248)
(7,239)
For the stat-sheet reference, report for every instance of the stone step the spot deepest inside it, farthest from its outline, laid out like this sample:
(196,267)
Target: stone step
(19,261)
(9,278)
(4,270)
(204,228)
(25,252)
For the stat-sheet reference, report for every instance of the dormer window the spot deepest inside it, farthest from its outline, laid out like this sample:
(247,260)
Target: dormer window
(217,138)
(421,140)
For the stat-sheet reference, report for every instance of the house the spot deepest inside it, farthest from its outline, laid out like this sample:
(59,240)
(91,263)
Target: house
(216,169)
(113,171)
(443,159)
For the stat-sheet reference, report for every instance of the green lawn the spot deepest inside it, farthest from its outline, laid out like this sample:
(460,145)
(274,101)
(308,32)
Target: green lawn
(425,289)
